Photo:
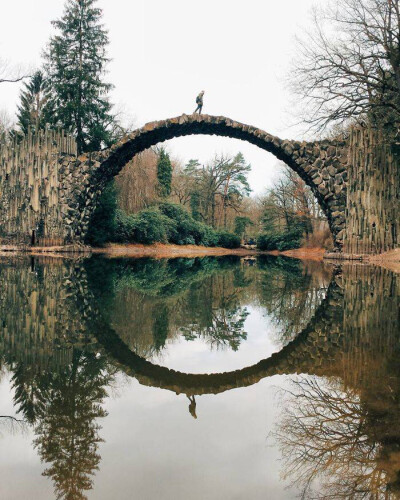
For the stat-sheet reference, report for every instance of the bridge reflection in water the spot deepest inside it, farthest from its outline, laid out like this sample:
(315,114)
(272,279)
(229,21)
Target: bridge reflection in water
(68,327)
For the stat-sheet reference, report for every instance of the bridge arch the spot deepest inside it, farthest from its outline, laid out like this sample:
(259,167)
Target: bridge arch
(301,355)
(321,164)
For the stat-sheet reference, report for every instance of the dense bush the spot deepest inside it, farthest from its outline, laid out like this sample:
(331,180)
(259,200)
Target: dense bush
(208,236)
(186,230)
(148,226)
(168,223)
(228,240)
(152,226)
(124,227)
(266,241)
(286,240)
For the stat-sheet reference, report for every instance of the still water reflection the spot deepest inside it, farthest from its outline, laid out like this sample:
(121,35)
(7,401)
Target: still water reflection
(217,378)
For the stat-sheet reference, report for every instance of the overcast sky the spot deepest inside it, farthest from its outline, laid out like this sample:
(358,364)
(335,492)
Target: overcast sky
(165,51)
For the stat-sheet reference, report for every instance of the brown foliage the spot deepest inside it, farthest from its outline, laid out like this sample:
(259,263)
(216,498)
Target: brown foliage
(137,182)
(319,238)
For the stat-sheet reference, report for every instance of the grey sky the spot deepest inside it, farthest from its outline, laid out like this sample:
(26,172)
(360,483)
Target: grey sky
(164,52)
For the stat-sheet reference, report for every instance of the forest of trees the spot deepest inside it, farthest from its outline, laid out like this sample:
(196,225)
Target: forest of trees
(204,201)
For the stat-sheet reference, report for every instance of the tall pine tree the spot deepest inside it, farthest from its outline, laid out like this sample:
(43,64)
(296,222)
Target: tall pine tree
(76,61)
(36,105)
(164,174)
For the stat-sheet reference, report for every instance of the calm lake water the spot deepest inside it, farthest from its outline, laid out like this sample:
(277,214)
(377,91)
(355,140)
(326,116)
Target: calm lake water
(206,378)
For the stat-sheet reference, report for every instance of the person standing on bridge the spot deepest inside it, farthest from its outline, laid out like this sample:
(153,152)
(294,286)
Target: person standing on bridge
(199,102)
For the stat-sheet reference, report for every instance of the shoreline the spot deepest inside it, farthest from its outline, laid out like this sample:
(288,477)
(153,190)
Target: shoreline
(389,260)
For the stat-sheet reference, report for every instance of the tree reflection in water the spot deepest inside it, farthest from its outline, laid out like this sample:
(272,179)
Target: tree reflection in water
(63,407)
(340,435)
(341,431)
(290,293)
(149,302)
(323,436)
(59,383)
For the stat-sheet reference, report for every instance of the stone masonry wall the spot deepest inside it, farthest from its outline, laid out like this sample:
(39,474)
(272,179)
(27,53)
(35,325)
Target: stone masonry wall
(39,318)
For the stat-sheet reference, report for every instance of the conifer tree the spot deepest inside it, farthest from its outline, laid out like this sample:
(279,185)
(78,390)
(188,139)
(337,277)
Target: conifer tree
(36,107)
(76,62)
(164,174)
(67,431)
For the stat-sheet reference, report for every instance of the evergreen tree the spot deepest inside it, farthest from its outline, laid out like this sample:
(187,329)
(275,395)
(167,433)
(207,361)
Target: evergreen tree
(76,60)
(241,224)
(164,174)
(36,107)
(195,205)
(67,432)
(102,223)
(161,328)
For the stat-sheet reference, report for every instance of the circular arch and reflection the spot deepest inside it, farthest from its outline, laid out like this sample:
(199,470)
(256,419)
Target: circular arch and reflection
(298,356)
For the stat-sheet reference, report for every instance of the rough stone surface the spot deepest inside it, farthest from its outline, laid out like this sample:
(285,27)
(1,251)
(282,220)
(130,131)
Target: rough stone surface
(56,191)
(309,159)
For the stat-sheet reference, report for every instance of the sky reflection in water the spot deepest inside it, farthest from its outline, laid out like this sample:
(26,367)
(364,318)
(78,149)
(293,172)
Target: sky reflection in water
(197,316)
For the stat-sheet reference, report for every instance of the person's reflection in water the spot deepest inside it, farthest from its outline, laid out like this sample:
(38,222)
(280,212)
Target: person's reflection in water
(192,406)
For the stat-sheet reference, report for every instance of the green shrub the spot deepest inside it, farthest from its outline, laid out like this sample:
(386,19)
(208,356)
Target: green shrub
(286,240)
(124,227)
(185,230)
(173,211)
(168,223)
(206,235)
(228,240)
(188,230)
(152,226)
(267,241)
(289,240)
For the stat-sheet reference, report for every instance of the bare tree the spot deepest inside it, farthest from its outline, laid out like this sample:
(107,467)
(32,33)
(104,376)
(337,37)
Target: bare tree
(12,73)
(290,202)
(7,124)
(13,425)
(327,439)
(137,182)
(223,179)
(349,64)
(183,184)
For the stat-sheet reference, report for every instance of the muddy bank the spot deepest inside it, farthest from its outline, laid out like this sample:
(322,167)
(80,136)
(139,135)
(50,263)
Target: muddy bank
(388,260)
(160,251)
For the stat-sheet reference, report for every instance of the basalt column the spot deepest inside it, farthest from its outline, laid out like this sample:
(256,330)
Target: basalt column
(373,194)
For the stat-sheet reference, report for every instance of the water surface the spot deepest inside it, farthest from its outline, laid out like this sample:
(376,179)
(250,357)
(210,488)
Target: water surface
(217,378)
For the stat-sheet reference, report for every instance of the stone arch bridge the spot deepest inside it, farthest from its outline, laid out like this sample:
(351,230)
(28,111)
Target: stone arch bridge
(322,165)
(48,191)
